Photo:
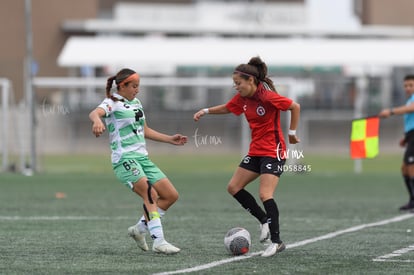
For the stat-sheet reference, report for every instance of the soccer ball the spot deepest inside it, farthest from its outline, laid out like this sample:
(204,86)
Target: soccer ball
(237,241)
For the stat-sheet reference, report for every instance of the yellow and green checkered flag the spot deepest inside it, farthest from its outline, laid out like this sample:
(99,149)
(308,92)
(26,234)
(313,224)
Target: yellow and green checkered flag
(365,138)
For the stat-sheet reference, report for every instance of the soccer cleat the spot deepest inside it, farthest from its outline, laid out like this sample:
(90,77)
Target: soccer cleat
(139,237)
(408,206)
(273,248)
(165,247)
(264,232)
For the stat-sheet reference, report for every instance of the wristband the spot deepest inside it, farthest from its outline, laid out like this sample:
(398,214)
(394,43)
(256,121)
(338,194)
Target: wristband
(205,110)
(391,112)
(292,132)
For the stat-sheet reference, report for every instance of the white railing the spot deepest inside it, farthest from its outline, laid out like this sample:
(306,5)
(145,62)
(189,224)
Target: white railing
(5,85)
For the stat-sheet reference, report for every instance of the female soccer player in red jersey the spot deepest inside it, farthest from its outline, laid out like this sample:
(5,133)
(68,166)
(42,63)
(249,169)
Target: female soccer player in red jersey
(257,98)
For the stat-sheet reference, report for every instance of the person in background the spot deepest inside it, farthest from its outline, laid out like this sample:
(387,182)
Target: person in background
(258,100)
(126,123)
(407,167)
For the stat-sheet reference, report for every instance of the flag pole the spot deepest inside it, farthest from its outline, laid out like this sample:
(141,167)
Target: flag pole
(359,103)
(29,89)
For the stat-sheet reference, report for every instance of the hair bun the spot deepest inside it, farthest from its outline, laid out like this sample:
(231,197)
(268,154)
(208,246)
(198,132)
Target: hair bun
(255,61)
(260,65)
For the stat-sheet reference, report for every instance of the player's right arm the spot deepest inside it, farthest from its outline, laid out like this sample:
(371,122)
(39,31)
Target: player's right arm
(98,127)
(218,110)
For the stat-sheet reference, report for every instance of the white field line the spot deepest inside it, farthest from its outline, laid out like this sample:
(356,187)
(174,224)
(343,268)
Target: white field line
(396,253)
(351,229)
(393,261)
(61,218)
(293,245)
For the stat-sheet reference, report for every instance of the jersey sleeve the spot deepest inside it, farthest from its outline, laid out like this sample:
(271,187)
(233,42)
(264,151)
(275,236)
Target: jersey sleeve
(108,106)
(280,102)
(235,105)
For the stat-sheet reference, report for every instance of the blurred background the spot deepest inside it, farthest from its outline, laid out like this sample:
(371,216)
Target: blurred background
(339,59)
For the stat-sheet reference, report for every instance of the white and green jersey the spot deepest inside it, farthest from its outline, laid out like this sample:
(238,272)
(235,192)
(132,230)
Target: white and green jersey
(125,122)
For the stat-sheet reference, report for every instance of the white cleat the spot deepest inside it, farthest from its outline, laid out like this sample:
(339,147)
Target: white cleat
(264,232)
(139,237)
(273,248)
(165,247)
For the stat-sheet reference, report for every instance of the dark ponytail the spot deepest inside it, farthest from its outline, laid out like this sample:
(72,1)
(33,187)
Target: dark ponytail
(108,88)
(262,72)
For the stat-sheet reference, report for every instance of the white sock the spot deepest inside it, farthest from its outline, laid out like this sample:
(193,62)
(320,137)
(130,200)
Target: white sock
(155,229)
(142,224)
(161,212)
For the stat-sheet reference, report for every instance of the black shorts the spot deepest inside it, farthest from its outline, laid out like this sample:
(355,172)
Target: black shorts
(263,165)
(409,149)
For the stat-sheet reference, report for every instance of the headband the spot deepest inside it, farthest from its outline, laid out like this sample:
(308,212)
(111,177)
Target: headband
(239,72)
(133,76)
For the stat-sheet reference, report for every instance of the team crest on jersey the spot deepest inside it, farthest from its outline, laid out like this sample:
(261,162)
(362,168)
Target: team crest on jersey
(135,171)
(109,107)
(260,110)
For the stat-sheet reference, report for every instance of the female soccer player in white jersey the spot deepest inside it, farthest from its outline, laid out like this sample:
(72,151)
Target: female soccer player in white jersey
(125,119)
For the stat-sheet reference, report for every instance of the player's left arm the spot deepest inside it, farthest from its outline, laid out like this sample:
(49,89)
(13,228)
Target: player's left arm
(294,122)
(400,110)
(152,134)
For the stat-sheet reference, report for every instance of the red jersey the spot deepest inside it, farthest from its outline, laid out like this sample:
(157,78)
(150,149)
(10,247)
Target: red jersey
(262,111)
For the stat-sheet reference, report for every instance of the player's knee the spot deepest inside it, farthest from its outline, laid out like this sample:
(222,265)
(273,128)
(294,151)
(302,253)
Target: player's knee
(232,189)
(173,196)
(264,196)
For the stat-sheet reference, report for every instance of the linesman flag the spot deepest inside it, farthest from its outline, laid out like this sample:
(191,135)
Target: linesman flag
(365,138)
